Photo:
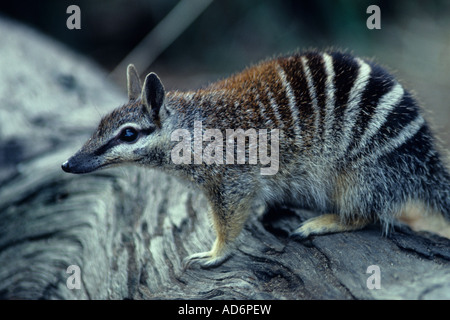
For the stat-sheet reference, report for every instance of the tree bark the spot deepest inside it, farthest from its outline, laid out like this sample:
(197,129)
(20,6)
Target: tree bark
(128,229)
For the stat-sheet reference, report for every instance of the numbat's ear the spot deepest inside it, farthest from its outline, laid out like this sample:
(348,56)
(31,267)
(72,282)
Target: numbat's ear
(133,83)
(153,94)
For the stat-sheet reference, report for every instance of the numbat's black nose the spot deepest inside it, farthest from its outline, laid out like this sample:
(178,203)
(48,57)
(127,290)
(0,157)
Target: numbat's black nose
(65,166)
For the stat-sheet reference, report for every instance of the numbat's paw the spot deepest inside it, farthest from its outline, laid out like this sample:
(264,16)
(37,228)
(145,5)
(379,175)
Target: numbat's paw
(204,259)
(327,223)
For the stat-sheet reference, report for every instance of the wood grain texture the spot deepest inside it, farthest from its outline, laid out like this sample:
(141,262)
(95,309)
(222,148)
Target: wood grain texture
(128,229)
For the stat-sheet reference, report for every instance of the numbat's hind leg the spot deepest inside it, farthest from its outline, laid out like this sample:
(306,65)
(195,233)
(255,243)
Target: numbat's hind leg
(327,223)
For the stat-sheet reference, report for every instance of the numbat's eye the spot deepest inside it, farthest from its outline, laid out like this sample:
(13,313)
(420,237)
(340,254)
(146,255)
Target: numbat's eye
(128,135)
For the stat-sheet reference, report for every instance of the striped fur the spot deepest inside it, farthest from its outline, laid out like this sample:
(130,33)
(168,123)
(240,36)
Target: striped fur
(354,144)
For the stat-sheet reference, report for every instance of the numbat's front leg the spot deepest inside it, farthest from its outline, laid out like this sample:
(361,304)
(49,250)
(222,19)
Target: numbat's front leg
(228,220)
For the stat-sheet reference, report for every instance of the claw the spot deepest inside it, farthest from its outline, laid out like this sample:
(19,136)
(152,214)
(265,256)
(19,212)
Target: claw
(299,234)
(204,259)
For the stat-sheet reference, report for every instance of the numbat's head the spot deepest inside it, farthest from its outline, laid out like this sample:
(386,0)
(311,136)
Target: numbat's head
(128,133)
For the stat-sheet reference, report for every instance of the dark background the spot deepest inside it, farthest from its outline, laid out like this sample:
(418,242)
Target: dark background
(414,40)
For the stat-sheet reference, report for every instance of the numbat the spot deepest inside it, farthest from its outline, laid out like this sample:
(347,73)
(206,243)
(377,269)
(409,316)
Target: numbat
(353,144)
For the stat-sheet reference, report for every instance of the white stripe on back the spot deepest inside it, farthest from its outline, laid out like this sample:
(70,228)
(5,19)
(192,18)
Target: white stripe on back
(330,100)
(291,99)
(262,110)
(383,108)
(393,143)
(274,106)
(353,107)
(313,96)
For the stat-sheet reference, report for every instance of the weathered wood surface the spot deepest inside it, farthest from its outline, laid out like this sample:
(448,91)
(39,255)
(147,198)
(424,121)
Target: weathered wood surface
(128,229)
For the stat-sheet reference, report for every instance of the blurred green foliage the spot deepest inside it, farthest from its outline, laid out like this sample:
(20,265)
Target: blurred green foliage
(234,32)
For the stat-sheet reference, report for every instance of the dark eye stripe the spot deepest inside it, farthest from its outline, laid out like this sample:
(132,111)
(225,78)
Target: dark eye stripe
(147,131)
(110,144)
